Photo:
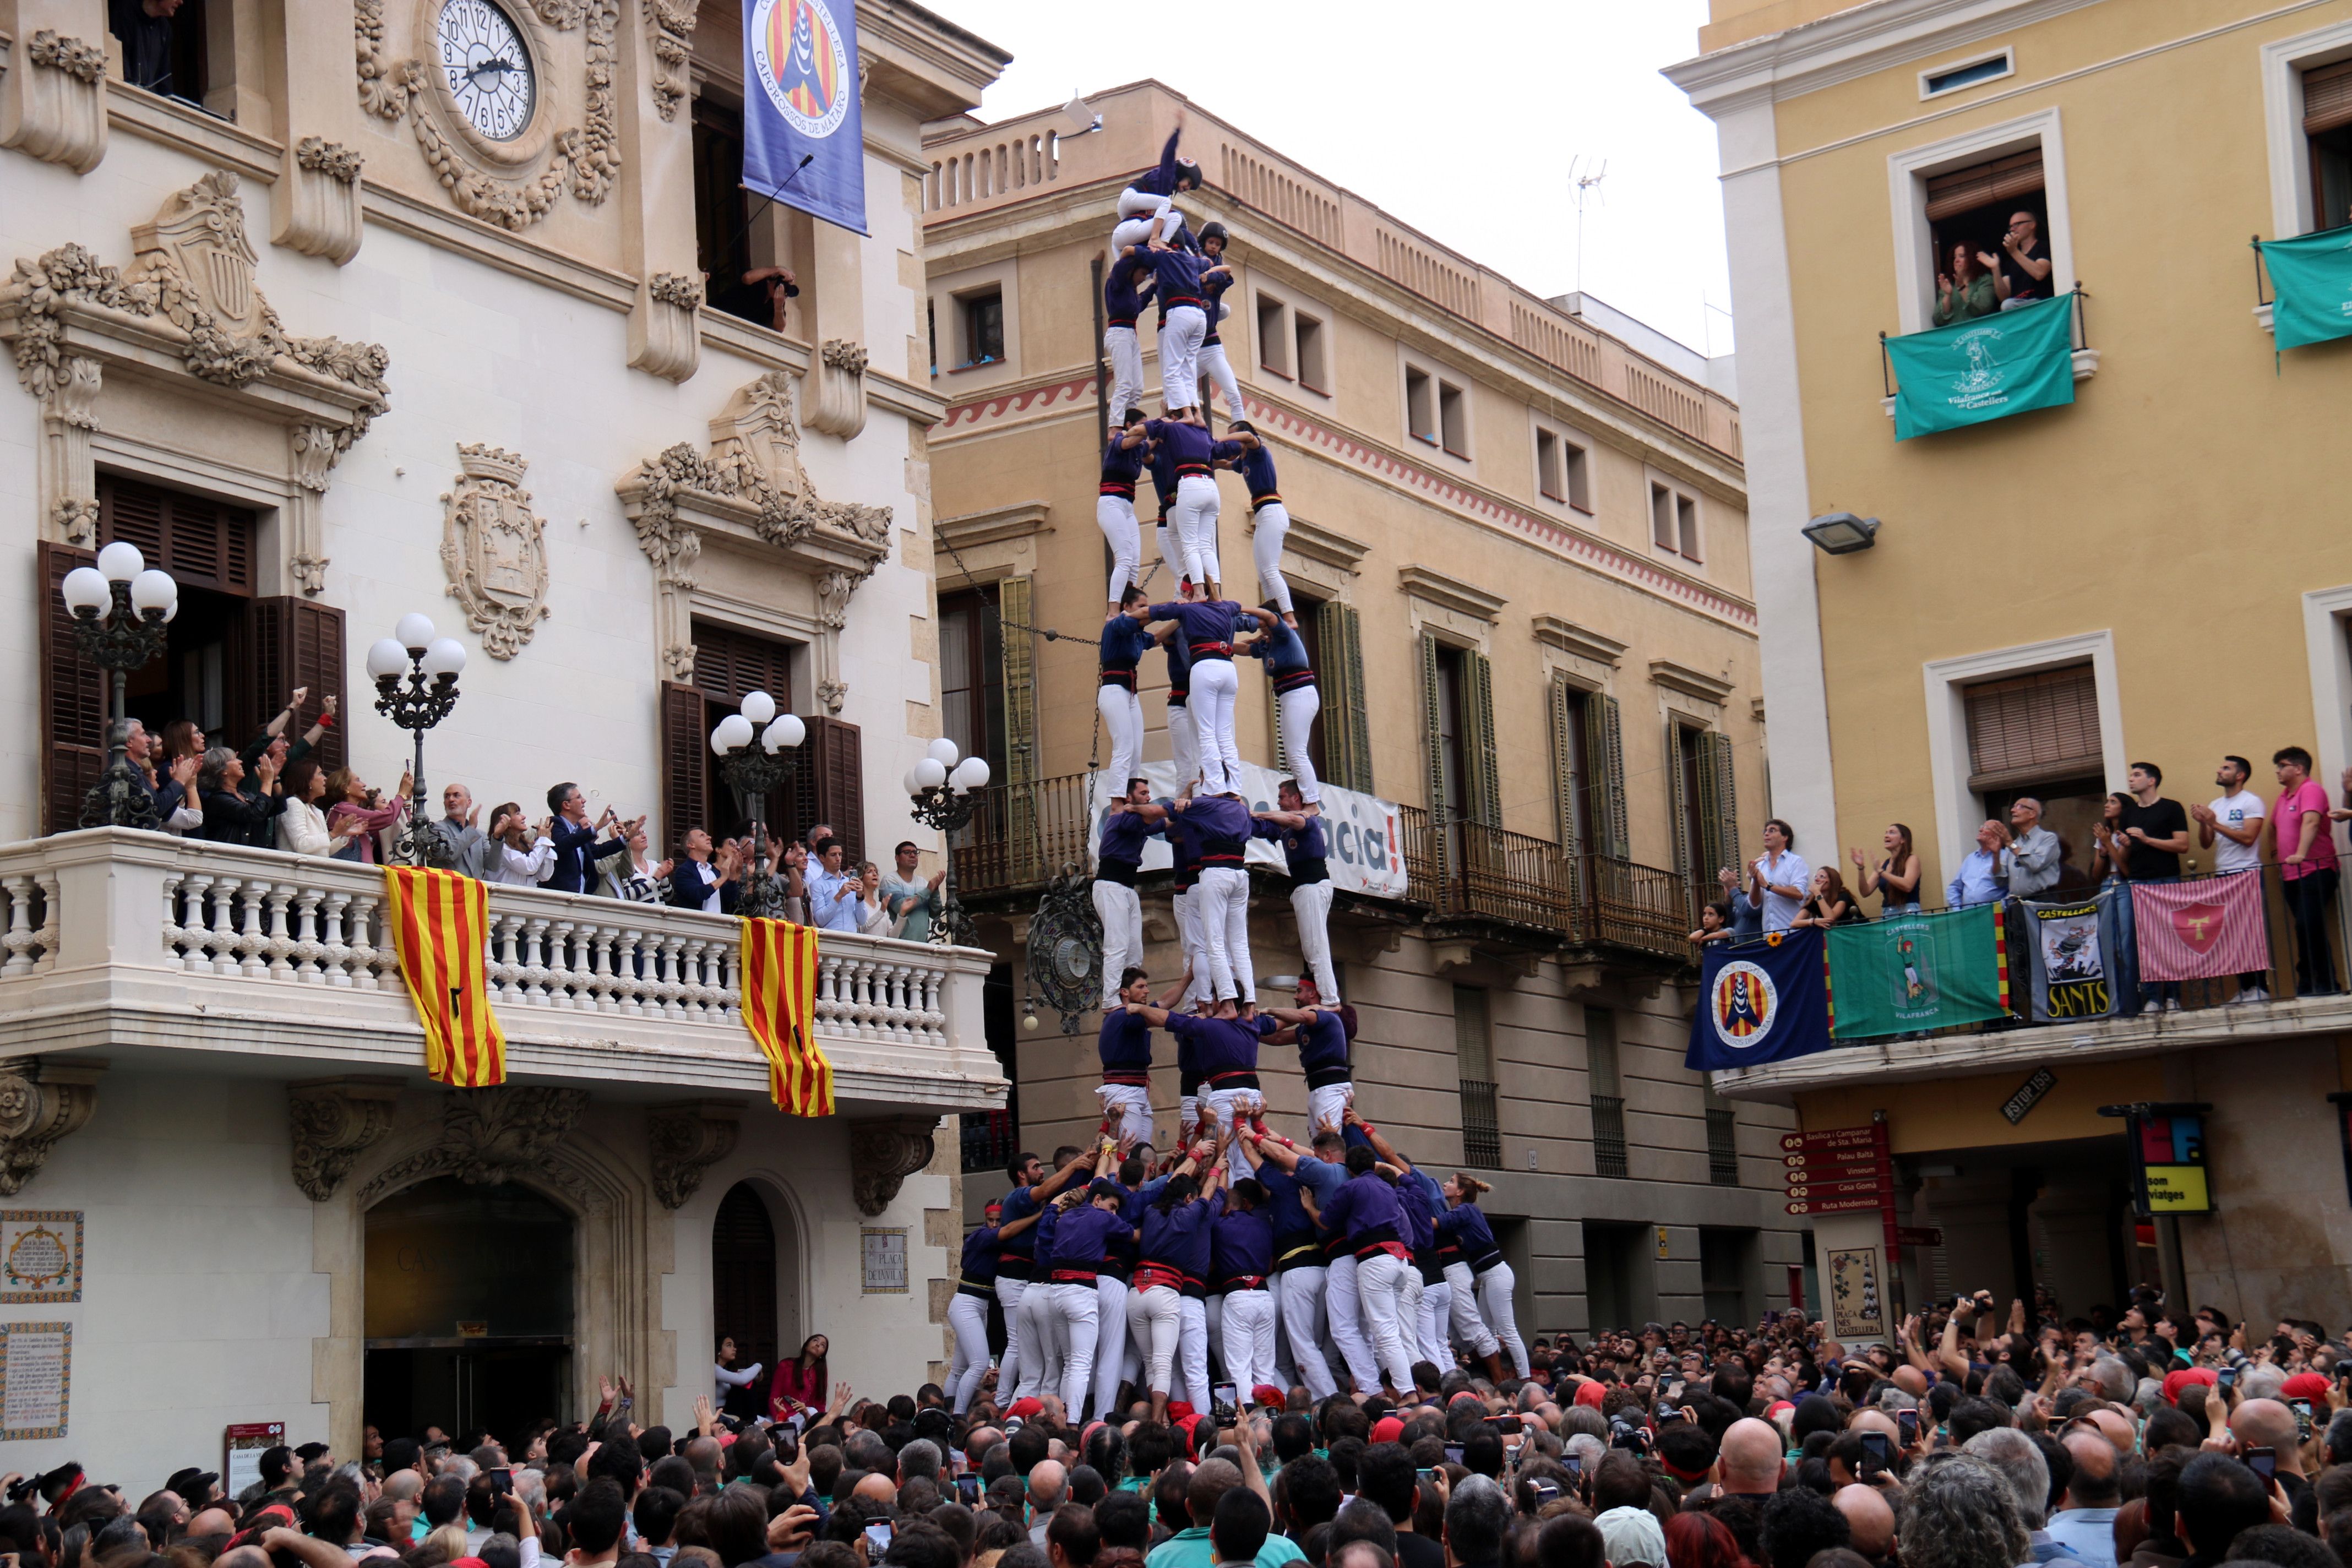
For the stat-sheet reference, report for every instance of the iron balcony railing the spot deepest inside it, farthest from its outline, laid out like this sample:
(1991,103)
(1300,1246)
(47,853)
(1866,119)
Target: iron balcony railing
(990,1139)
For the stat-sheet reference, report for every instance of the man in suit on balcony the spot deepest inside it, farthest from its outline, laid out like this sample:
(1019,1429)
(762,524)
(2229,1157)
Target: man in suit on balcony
(574,836)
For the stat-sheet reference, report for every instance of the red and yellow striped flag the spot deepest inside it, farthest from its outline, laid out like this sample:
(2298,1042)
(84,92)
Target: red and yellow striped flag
(437,919)
(779,1009)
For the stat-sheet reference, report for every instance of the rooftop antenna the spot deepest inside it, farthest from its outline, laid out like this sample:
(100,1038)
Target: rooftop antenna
(1587,187)
(1081,114)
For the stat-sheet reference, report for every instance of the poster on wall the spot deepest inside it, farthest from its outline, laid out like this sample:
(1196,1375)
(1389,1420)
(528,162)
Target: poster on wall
(40,1255)
(1855,1310)
(36,1365)
(241,1446)
(883,1252)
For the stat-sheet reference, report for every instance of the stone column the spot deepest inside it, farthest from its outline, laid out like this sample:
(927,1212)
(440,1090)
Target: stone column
(656,192)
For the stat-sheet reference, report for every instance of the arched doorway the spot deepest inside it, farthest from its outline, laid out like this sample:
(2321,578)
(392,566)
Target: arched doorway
(754,1294)
(468,1308)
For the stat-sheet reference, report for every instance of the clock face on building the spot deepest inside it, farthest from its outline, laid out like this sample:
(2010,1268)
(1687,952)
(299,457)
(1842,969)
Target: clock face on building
(488,68)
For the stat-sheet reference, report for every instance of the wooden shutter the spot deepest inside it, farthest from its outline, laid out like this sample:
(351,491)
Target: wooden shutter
(1017,667)
(1560,711)
(1432,734)
(203,544)
(1678,801)
(683,760)
(2034,728)
(1719,818)
(2327,97)
(1981,185)
(73,700)
(1604,750)
(298,641)
(1482,780)
(830,783)
(1346,743)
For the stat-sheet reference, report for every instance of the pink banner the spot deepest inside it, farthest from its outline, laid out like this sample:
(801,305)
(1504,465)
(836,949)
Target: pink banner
(2201,930)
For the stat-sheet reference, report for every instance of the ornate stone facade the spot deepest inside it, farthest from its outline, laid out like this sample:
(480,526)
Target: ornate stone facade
(316,202)
(37,1106)
(671,24)
(54,107)
(334,1122)
(687,1139)
(884,1151)
(840,389)
(489,1136)
(494,549)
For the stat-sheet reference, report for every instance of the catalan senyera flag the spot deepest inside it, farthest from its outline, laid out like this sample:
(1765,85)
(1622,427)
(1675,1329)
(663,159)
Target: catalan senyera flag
(780,1010)
(439,919)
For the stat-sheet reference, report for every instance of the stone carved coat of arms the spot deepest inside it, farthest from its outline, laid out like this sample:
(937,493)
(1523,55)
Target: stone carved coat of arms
(494,549)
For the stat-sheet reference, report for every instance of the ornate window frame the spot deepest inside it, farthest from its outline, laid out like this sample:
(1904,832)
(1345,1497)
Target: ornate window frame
(188,318)
(749,494)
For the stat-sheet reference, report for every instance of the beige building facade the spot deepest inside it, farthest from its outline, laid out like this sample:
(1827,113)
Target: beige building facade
(1519,552)
(336,320)
(2152,574)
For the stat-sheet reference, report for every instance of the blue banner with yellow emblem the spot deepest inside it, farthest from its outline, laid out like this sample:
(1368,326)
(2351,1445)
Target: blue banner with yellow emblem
(1762,1002)
(803,136)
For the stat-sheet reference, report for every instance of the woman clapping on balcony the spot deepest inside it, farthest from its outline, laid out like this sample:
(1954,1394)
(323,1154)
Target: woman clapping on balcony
(357,816)
(1827,902)
(232,815)
(301,827)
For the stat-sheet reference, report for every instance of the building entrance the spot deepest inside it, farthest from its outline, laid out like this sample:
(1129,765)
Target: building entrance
(468,1309)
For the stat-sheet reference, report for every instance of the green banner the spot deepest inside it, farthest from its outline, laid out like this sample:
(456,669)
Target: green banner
(2311,275)
(1918,972)
(1986,369)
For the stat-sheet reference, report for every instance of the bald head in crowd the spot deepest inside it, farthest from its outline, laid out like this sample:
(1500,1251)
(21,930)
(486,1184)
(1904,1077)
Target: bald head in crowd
(2267,1423)
(1911,1381)
(1046,1484)
(2094,1483)
(1210,1481)
(876,1486)
(1750,1459)
(1870,1519)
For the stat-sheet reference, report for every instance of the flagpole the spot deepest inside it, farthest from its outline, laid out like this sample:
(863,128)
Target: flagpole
(767,198)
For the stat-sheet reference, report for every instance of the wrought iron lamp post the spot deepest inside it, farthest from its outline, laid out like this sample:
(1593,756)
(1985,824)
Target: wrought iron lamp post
(413,651)
(943,793)
(121,609)
(754,746)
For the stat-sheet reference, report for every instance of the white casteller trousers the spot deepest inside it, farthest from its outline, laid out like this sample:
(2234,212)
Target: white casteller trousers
(1047,1335)
(1122,717)
(1124,348)
(1156,1322)
(1343,1305)
(1380,1287)
(1182,329)
(1469,1326)
(1437,1315)
(1194,521)
(1193,1349)
(1222,897)
(1295,712)
(1495,1288)
(1219,372)
(1272,523)
(1249,1322)
(1311,903)
(1110,1345)
(1183,742)
(1215,685)
(1115,515)
(1078,1307)
(1121,912)
(1128,1109)
(1008,1371)
(1302,1292)
(968,1315)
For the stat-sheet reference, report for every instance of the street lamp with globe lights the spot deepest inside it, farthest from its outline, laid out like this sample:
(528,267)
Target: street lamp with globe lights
(413,651)
(121,611)
(754,746)
(944,793)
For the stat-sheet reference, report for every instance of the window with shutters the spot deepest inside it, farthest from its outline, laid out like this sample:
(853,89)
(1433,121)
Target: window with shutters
(1571,753)
(1342,731)
(2327,133)
(1975,208)
(971,675)
(826,783)
(1673,521)
(1607,1093)
(1309,614)
(2039,735)
(1686,766)
(1482,1143)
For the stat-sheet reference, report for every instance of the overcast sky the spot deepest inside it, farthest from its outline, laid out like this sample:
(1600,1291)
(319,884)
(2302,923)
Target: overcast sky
(1461,120)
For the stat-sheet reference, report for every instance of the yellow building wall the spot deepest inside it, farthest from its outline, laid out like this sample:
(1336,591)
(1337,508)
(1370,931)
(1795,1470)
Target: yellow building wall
(2186,501)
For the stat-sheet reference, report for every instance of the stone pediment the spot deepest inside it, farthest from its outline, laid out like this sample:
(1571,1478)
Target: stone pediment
(750,489)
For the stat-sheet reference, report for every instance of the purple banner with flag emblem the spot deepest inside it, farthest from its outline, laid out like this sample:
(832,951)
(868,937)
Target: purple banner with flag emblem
(1761,1002)
(804,137)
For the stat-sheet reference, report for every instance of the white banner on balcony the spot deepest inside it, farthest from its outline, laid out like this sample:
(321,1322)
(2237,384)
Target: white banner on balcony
(1367,851)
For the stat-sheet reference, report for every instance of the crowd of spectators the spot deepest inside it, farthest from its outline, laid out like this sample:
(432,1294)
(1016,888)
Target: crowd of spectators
(272,793)
(1976,1439)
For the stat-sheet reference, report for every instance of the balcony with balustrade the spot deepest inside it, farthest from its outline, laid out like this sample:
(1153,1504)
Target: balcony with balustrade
(173,953)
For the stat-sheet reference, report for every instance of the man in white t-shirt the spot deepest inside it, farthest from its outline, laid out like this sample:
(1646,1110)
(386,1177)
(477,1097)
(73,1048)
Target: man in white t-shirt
(1779,879)
(2233,828)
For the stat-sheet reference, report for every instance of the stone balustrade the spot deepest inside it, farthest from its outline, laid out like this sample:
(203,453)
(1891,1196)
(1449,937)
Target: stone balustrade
(131,931)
